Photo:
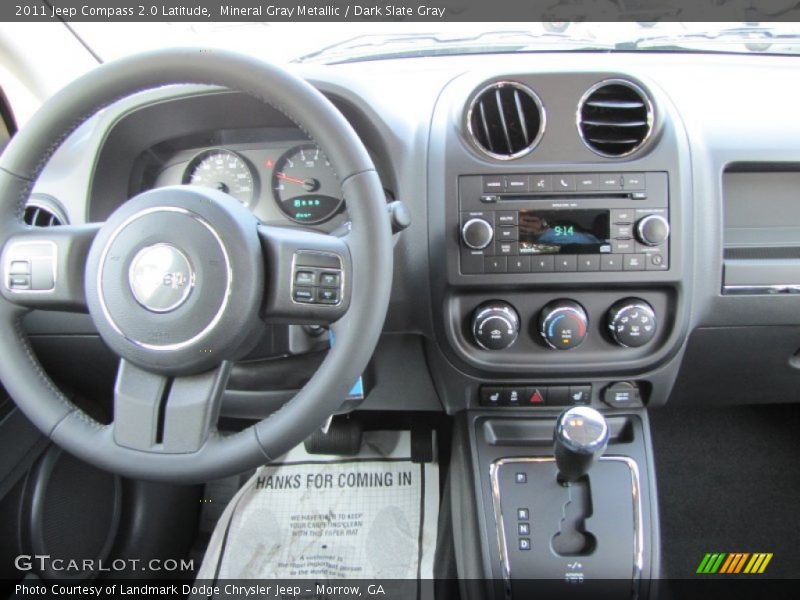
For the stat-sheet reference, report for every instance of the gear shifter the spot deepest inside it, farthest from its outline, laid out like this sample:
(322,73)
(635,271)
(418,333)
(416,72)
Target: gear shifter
(580,438)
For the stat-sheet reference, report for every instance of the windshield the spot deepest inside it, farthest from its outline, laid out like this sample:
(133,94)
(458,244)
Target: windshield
(346,42)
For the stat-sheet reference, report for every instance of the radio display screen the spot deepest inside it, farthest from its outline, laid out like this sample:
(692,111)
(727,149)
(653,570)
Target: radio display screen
(564,232)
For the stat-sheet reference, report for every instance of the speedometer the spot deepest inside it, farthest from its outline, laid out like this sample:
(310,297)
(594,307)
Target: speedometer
(225,171)
(305,186)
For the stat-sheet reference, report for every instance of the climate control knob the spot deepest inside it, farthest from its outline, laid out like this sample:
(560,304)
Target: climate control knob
(632,322)
(477,233)
(652,230)
(563,324)
(495,325)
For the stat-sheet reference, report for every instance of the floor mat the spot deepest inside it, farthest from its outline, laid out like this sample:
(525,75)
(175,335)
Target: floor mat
(373,516)
(728,481)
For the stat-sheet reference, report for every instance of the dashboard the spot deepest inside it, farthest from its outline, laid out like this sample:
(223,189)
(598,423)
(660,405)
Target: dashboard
(594,228)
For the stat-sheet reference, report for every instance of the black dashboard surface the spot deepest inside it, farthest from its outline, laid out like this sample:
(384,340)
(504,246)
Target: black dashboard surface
(410,115)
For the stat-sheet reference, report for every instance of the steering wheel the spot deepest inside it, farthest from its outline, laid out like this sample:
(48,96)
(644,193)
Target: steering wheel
(181,281)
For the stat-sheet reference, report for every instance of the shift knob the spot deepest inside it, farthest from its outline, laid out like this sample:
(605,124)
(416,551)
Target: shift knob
(580,437)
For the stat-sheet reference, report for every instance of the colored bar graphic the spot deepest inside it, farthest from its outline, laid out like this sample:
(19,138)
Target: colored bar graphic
(734,563)
(731,560)
(767,558)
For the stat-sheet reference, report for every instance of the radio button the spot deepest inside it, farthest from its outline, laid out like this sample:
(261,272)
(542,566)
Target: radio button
(587,182)
(611,262)
(621,217)
(507,234)
(508,217)
(495,264)
(566,264)
(652,230)
(507,248)
(633,181)
(541,183)
(519,264)
(622,246)
(610,182)
(493,184)
(564,183)
(657,262)
(622,232)
(477,233)
(589,262)
(634,262)
(542,264)
(517,184)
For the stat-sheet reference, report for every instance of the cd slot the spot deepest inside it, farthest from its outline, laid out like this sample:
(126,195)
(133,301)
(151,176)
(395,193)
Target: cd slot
(561,197)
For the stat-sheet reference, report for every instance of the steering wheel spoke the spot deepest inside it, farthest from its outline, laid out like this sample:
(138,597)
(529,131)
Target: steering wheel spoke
(157,413)
(44,268)
(309,276)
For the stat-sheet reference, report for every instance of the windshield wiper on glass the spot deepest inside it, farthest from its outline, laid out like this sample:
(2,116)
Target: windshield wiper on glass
(733,39)
(378,47)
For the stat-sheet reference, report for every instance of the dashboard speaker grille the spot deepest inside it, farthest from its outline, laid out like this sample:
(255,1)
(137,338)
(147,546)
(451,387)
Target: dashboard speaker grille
(615,118)
(505,120)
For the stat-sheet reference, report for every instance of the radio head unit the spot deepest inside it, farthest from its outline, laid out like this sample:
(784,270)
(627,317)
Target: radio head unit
(576,222)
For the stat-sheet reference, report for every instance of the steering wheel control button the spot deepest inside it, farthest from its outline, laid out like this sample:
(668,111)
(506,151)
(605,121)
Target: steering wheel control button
(327,296)
(563,324)
(305,278)
(632,323)
(330,279)
(161,277)
(304,294)
(317,279)
(31,266)
(622,394)
(495,325)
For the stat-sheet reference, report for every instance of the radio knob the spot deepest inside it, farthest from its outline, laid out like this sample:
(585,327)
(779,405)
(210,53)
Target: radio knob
(632,322)
(652,230)
(495,325)
(563,324)
(477,233)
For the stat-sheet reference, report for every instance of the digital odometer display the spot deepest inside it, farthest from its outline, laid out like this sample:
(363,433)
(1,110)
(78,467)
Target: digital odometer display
(564,232)
(305,186)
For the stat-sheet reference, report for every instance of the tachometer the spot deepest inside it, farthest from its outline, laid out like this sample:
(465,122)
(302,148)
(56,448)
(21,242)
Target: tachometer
(225,171)
(305,186)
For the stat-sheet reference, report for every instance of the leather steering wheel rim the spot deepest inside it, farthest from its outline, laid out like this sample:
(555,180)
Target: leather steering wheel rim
(369,243)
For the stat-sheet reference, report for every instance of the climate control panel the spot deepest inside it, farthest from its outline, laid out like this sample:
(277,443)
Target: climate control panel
(564,324)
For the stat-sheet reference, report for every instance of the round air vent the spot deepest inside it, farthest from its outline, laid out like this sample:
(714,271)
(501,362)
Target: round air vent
(505,120)
(42,211)
(615,118)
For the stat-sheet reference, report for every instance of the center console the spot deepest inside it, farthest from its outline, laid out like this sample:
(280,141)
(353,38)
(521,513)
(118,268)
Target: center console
(559,245)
